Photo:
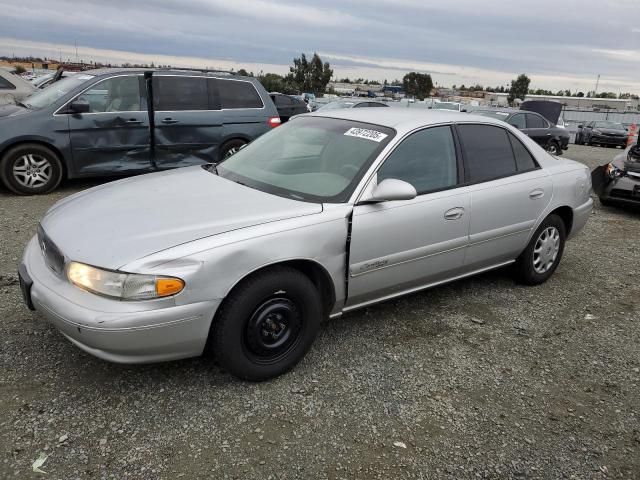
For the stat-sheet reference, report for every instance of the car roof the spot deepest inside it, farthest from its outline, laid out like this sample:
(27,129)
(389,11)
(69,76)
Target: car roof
(404,119)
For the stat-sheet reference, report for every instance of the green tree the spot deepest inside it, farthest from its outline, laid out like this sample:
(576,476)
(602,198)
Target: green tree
(19,69)
(519,87)
(417,85)
(580,94)
(310,76)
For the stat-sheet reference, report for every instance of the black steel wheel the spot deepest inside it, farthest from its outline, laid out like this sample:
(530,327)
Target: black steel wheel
(266,324)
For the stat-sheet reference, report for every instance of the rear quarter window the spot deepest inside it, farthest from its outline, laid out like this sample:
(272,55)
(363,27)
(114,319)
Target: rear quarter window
(238,94)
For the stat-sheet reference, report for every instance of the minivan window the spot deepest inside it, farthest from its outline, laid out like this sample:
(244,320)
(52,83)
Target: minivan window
(488,153)
(55,91)
(116,94)
(238,94)
(175,93)
(524,160)
(426,160)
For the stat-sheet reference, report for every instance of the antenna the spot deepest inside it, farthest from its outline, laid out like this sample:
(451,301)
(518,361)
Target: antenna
(595,92)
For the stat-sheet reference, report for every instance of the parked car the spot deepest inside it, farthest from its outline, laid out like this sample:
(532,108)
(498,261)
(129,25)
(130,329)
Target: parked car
(288,105)
(13,88)
(455,106)
(97,123)
(602,132)
(351,103)
(47,79)
(244,259)
(310,100)
(618,182)
(552,138)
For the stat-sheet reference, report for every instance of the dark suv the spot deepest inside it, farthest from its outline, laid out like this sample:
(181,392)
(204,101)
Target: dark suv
(101,122)
(288,105)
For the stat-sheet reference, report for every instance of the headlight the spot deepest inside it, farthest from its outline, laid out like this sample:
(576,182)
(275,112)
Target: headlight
(124,286)
(613,171)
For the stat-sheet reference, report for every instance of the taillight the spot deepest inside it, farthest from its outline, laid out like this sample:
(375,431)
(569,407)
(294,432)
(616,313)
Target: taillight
(274,122)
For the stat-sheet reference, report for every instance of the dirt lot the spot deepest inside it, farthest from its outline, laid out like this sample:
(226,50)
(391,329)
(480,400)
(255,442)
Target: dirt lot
(482,378)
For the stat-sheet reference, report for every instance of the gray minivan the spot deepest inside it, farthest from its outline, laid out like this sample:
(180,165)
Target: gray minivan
(100,122)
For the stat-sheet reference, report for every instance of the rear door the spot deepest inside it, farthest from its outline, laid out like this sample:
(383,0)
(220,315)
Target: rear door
(509,192)
(245,114)
(538,129)
(400,245)
(114,136)
(188,120)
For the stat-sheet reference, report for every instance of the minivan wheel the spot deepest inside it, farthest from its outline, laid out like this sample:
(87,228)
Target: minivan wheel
(231,147)
(541,257)
(30,169)
(267,324)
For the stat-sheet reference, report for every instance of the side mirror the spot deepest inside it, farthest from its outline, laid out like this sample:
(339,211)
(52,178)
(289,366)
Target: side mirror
(80,105)
(391,189)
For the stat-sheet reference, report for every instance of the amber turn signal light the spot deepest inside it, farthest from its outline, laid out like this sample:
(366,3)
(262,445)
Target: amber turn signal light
(168,286)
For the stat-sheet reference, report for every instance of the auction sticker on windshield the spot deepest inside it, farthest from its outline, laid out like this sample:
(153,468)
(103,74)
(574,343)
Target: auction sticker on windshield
(366,133)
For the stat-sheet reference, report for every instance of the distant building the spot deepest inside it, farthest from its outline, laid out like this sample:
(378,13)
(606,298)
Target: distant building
(582,103)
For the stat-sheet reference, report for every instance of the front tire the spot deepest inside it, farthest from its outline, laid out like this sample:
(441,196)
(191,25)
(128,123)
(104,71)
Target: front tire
(231,147)
(31,169)
(541,257)
(267,324)
(554,148)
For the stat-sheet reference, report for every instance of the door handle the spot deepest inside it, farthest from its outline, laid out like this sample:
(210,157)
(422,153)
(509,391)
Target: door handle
(134,121)
(454,213)
(169,121)
(537,193)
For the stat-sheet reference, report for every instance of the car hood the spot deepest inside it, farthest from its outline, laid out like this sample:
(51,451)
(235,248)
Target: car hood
(113,224)
(612,131)
(549,110)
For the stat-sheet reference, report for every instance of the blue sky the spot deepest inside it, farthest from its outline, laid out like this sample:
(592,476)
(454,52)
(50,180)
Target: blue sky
(560,44)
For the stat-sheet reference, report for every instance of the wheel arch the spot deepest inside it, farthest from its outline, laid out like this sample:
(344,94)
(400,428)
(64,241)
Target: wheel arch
(566,215)
(316,272)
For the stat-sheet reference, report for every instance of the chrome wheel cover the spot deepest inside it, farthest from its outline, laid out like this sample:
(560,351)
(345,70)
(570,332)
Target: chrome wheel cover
(32,170)
(546,249)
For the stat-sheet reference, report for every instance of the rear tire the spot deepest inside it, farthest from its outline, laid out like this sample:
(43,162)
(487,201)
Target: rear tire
(266,324)
(31,169)
(543,254)
(231,147)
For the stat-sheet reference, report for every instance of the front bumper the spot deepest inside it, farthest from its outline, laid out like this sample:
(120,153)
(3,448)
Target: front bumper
(117,331)
(623,190)
(609,140)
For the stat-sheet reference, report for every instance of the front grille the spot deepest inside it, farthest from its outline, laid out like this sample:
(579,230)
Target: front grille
(53,257)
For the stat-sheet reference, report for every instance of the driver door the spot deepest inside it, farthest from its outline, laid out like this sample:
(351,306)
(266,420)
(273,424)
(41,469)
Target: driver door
(397,246)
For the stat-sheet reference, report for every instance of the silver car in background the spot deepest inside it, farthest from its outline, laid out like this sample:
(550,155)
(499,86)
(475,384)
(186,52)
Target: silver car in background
(329,213)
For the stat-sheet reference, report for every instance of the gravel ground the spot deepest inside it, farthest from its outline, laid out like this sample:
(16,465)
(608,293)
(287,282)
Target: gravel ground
(481,378)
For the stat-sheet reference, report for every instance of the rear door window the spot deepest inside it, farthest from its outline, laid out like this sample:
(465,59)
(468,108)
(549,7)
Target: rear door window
(175,93)
(238,94)
(535,121)
(487,152)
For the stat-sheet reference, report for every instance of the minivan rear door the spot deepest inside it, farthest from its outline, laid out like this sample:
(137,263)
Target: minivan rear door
(188,120)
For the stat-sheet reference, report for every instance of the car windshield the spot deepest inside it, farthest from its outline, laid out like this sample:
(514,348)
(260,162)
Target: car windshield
(49,95)
(491,114)
(446,106)
(313,159)
(336,105)
(613,125)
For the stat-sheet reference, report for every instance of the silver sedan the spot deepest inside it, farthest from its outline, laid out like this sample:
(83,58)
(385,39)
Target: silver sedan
(329,213)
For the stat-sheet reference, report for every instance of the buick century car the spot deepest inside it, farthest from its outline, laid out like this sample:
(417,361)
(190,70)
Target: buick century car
(329,213)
